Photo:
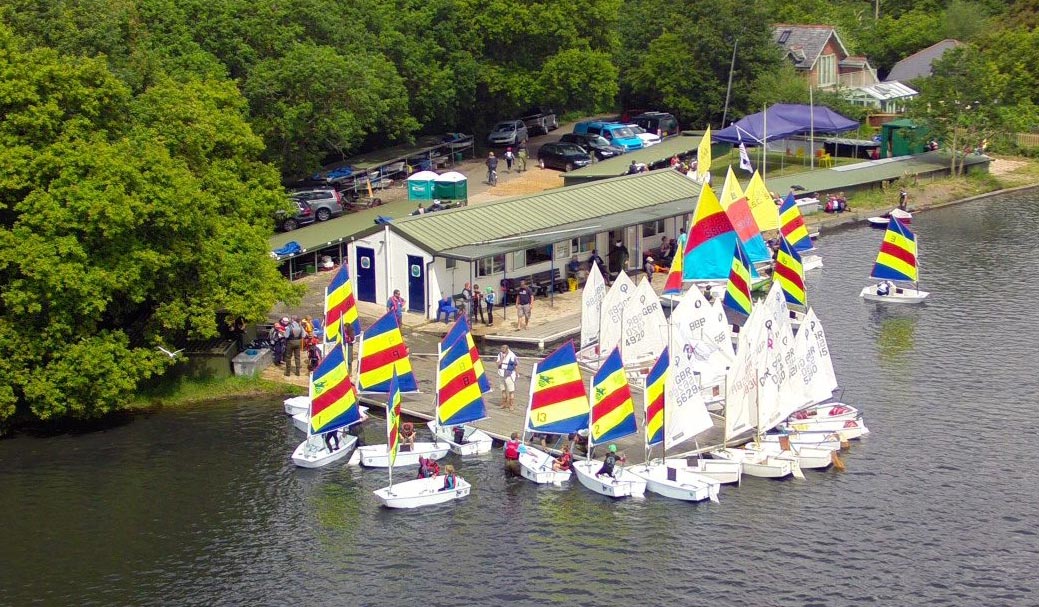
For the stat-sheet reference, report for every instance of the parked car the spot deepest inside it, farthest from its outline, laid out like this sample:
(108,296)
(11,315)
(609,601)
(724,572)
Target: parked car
(614,132)
(286,222)
(563,156)
(648,139)
(593,144)
(325,203)
(659,123)
(508,132)
(540,121)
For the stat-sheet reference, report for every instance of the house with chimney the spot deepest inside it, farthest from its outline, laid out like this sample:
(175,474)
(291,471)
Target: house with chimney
(818,53)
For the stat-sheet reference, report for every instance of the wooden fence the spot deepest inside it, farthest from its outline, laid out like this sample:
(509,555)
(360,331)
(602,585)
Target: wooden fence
(1027,140)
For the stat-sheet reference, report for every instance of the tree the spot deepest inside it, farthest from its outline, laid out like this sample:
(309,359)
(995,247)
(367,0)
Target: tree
(125,222)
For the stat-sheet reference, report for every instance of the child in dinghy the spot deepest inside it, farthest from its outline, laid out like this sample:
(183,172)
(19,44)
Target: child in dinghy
(450,478)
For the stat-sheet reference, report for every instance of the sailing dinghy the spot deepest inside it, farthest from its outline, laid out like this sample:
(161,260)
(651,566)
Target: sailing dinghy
(612,416)
(421,491)
(297,404)
(792,227)
(669,423)
(333,407)
(558,404)
(459,399)
(896,268)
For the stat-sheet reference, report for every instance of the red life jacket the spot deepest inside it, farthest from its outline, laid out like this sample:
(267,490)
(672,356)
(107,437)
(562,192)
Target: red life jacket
(512,449)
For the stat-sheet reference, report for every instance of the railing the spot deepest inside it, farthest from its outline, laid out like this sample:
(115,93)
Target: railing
(1027,140)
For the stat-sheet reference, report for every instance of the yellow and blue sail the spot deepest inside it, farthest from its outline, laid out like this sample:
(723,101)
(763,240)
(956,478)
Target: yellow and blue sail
(613,410)
(340,306)
(383,354)
(737,289)
(333,398)
(790,273)
(461,330)
(459,399)
(393,419)
(897,257)
(792,224)
(655,399)
(558,400)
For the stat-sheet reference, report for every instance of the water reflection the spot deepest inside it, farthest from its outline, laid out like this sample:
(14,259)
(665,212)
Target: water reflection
(895,335)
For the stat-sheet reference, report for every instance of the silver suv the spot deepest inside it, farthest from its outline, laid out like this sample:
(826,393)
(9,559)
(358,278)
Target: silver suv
(325,203)
(508,132)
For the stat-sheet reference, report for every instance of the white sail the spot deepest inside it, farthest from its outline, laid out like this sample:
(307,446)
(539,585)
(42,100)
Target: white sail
(720,331)
(698,361)
(643,326)
(591,306)
(685,413)
(741,391)
(613,304)
(792,391)
(778,396)
(818,376)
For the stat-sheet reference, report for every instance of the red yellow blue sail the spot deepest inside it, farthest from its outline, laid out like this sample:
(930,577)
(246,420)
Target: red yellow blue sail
(613,410)
(737,290)
(558,400)
(737,207)
(459,399)
(654,394)
(383,355)
(673,282)
(393,419)
(792,224)
(790,273)
(897,257)
(340,305)
(459,330)
(333,398)
(711,238)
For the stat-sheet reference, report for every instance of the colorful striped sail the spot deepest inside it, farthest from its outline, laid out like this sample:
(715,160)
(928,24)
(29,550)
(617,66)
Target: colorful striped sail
(654,395)
(558,400)
(340,306)
(333,398)
(897,257)
(459,330)
(459,399)
(711,239)
(737,290)
(734,201)
(673,282)
(762,206)
(613,410)
(790,274)
(792,224)
(703,157)
(383,355)
(393,419)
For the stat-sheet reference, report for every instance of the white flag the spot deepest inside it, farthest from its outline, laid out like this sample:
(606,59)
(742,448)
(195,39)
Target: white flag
(745,158)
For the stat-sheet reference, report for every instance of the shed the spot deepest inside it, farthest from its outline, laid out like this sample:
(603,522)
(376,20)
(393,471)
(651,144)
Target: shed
(451,186)
(902,138)
(420,185)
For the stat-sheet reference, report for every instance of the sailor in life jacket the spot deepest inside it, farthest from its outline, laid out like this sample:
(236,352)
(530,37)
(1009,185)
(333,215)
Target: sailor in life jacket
(450,479)
(610,462)
(513,447)
(884,288)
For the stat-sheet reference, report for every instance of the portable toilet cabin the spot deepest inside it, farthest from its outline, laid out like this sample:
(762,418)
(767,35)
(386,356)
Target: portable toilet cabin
(451,186)
(420,185)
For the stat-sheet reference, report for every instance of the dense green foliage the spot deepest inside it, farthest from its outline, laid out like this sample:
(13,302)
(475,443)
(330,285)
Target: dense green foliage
(143,141)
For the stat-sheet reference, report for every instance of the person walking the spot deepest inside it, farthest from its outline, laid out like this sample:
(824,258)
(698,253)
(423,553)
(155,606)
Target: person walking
(903,199)
(293,345)
(492,169)
(395,304)
(509,157)
(490,298)
(477,304)
(524,304)
(507,363)
(521,158)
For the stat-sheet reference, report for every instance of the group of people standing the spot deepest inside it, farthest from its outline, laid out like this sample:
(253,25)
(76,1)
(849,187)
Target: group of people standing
(289,337)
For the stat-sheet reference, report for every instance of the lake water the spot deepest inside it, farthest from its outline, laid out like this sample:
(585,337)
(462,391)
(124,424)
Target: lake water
(938,506)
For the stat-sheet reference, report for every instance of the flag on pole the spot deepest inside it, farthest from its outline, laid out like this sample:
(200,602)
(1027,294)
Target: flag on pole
(703,158)
(744,157)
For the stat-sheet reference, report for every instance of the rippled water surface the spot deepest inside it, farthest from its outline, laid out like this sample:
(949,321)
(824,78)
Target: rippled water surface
(938,506)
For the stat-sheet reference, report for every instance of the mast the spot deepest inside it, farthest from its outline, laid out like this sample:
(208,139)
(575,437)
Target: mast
(530,400)
(591,405)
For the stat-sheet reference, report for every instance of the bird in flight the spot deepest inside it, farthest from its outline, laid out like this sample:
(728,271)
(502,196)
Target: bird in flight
(168,353)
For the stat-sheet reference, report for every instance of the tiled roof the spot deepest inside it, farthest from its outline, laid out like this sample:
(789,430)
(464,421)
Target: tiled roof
(918,65)
(805,43)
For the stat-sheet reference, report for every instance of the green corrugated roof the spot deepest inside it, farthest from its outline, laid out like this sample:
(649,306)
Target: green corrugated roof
(506,224)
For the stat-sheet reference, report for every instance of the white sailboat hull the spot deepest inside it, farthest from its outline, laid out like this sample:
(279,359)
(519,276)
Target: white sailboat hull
(756,464)
(811,262)
(808,458)
(376,456)
(536,466)
(312,453)
(822,412)
(476,441)
(722,470)
(421,492)
(821,440)
(849,429)
(625,484)
(683,485)
(301,420)
(297,404)
(902,295)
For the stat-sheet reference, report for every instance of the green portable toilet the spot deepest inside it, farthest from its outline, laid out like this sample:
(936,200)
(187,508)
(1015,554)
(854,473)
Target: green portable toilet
(902,138)
(420,185)
(451,186)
